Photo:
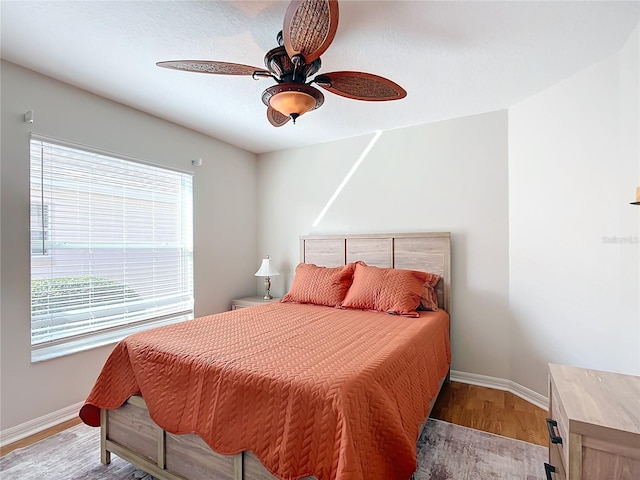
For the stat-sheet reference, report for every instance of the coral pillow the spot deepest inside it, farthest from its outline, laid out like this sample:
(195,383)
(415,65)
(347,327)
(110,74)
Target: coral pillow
(320,285)
(386,290)
(429,300)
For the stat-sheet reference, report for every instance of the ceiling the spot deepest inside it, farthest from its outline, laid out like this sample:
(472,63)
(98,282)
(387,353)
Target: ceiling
(453,58)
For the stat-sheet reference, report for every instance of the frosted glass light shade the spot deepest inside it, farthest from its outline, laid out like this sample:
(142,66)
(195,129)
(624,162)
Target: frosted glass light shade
(267,269)
(292,99)
(292,103)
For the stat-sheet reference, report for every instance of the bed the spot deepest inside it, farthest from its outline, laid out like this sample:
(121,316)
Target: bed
(284,390)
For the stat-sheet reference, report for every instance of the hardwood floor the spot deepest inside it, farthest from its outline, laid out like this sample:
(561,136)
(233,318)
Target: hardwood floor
(38,436)
(481,408)
(492,411)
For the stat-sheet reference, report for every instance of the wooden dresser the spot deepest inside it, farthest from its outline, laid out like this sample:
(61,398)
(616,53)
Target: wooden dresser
(594,425)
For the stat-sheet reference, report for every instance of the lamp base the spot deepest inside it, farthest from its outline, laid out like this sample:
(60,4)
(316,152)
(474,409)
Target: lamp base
(267,286)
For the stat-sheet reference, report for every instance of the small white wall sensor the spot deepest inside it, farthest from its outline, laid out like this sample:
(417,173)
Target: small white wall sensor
(197,162)
(28,117)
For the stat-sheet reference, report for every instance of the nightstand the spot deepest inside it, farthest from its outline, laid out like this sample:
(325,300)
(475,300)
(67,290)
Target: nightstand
(597,420)
(250,302)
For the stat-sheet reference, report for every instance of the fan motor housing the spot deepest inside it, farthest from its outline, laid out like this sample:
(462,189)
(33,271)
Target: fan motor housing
(278,62)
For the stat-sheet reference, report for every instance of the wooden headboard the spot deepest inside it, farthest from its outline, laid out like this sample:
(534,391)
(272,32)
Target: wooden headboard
(427,252)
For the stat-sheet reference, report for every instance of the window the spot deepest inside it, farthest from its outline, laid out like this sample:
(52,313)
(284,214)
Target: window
(111,244)
(39,228)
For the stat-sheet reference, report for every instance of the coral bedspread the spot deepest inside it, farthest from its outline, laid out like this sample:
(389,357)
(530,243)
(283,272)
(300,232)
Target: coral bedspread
(311,390)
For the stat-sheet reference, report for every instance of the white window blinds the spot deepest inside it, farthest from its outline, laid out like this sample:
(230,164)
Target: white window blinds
(111,243)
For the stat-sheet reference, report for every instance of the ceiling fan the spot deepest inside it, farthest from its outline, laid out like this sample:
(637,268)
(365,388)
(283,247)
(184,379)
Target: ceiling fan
(309,28)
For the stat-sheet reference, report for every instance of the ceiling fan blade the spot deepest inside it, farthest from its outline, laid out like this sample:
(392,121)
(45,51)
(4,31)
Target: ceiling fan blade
(203,66)
(309,27)
(276,118)
(361,86)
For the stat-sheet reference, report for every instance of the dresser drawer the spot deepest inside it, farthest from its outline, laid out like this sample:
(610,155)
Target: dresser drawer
(556,460)
(562,427)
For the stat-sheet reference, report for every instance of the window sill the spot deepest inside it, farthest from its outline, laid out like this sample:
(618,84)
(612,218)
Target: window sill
(48,351)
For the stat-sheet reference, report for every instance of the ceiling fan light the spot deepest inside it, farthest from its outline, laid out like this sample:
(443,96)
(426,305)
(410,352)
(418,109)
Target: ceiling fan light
(292,103)
(292,99)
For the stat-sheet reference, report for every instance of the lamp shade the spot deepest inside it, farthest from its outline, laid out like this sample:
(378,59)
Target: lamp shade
(292,103)
(292,99)
(267,269)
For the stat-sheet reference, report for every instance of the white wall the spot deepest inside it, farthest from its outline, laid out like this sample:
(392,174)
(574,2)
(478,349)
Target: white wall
(528,198)
(531,199)
(574,163)
(446,176)
(224,223)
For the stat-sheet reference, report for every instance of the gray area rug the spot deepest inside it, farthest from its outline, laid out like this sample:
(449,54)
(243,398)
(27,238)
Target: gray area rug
(451,452)
(446,452)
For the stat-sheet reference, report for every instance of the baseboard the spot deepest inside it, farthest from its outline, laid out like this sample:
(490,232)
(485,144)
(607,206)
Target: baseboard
(39,424)
(502,384)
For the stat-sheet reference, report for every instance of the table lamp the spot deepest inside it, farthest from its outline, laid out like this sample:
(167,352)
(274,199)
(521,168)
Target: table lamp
(267,270)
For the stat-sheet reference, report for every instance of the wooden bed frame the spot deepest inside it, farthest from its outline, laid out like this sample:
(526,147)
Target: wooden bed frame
(131,434)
